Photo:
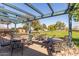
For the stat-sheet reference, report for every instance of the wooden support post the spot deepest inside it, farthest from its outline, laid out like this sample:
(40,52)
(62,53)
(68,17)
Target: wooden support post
(70,30)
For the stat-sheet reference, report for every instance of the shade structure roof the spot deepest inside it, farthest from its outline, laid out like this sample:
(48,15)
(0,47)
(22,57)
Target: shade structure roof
(23,12)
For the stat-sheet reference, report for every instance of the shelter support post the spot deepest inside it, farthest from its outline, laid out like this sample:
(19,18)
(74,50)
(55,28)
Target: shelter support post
(70,31)
(29,30)
(7,26)
(15,27)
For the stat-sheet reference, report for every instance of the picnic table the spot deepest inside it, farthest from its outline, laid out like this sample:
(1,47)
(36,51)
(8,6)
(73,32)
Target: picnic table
(57,44)
(53,45)
(57,40)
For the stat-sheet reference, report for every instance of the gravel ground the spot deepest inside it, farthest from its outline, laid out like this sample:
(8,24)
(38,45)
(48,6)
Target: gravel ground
(36,50)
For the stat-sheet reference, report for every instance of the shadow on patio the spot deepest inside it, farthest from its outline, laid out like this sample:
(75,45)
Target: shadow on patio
(27,51)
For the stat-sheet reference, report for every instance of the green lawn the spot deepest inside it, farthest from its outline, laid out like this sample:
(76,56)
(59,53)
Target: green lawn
(75,35)
(56,33)
(61,33)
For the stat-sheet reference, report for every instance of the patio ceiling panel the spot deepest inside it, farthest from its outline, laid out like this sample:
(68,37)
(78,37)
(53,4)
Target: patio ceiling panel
(59,6)
(11,12)
(34,8)
(49,5)
(21,18)
(6,15)
(43,7)
(15,7)
(5,20)
(62,12)
(12,19)
(25,8)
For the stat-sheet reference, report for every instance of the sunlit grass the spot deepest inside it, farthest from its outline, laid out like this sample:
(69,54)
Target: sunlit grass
(56,33)
(75,35)
(61,33)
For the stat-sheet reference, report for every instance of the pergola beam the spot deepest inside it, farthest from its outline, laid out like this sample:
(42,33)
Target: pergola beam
(14,7)
(49,5)
(66,11)
(15,20)
(11,12)
(7,11)
(70,7)
(4,22)
(6,16)
(44,16)
(12,18)
(49,15)
(34,8)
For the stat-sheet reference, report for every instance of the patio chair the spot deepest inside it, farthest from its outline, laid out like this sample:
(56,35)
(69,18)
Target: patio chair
(4,42)
(16,44)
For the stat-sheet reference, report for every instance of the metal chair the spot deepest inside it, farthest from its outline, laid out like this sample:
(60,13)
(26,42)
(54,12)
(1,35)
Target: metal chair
(15,44)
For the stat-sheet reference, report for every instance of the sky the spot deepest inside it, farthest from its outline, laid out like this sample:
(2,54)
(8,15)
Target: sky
(45,10)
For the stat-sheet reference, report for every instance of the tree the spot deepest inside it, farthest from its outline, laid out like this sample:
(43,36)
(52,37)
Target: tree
(36,25)
(26,26)
(75,12)
(59,25)
(44,26)
(13,29)
(51,27)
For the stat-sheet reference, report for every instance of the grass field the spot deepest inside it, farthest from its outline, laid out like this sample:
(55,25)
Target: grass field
(75,35)
(61,33)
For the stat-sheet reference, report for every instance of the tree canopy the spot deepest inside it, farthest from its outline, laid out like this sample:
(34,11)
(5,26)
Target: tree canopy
(58,26)
(51,27)
(75,11)
(36,25)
